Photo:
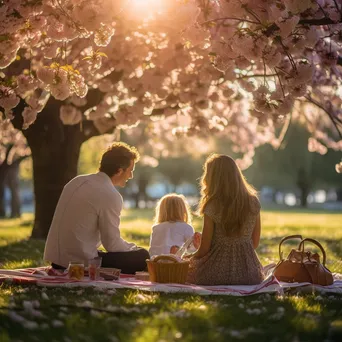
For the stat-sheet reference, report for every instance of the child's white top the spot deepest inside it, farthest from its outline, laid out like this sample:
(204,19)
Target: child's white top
(167,234)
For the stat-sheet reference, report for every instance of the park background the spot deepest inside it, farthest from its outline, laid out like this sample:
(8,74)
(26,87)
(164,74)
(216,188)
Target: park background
(287,177)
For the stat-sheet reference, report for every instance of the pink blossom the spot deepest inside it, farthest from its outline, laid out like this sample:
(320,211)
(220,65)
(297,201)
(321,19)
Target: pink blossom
(312,37)
(105,124)
(338,167)
(287,25)
(29,116)
(26,83)
(247,85)
(51,50)
(196,35)
(60,91)
(8,99)
(38,22)
(99,111)
(127,117)
(70,115)
(315,146)
(6,60)
(295,6)
(103,35)
(78,101)
(333,13)
(275,13)
(285,105)
(9,46)
(36,102)
(46,75)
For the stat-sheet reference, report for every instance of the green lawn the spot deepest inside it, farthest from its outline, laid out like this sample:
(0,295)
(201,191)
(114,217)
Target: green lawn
(126,315)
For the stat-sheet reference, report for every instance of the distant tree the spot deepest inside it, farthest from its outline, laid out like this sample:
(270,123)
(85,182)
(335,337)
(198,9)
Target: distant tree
(13,150)
(182,169)
(293,166)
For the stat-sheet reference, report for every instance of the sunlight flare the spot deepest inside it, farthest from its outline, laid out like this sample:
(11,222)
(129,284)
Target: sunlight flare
(145,7)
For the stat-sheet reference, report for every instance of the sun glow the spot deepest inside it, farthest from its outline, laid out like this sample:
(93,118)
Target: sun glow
(145,7)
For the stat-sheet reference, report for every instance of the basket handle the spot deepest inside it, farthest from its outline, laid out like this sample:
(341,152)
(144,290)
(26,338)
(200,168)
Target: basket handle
(284,239)
(165,257)
(301,246)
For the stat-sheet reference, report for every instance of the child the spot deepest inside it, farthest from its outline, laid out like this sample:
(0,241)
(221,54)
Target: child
(231,227)
(172,224)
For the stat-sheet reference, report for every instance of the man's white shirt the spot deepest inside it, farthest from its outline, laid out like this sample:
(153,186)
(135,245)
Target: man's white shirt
(87,214)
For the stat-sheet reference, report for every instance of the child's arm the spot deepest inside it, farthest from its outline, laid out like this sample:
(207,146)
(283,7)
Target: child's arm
(256,233)
(207,235)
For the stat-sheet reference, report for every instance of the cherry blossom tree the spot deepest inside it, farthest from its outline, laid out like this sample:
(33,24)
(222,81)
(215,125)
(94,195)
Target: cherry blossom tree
(73,69)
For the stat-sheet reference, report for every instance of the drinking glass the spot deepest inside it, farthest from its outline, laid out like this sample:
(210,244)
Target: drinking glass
(94,268)
(76,270)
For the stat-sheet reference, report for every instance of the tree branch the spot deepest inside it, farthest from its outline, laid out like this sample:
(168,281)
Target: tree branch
(8,151)
(256,75)
(309,22)
(228,18)
(20,159)
(309,99)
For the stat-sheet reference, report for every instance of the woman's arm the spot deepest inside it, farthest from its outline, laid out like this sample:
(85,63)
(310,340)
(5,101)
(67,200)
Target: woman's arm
(207,235)
(256,232)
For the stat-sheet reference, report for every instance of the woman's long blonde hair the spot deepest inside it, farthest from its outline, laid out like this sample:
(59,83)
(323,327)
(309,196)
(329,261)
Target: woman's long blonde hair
(172,208)
(225,187)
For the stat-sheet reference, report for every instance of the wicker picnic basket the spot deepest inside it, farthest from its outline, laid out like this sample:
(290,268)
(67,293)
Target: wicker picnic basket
(170,271)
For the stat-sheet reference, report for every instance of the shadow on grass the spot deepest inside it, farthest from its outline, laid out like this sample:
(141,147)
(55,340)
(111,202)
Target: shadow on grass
(23,253)
(8,223)
(26,223)
(227,318)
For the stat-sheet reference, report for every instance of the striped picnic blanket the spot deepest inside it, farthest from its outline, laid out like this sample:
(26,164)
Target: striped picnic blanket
(47,277)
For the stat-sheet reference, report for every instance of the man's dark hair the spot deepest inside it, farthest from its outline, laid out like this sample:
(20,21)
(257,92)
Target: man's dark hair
(118,156)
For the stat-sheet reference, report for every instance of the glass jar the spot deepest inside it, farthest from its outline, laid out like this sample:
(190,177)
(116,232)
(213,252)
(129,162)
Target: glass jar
(94,268)
(76,270)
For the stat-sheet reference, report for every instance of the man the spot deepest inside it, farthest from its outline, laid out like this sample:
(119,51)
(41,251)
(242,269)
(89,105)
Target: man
(88,215)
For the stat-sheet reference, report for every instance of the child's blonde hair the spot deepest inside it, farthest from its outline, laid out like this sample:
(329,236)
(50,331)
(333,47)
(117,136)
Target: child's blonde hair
(172,208)
(225,187)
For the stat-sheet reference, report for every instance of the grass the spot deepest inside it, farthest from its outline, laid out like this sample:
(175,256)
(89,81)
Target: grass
(30,313)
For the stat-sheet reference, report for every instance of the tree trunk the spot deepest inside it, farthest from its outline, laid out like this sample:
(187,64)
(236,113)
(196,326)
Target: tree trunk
(339,194)
(54,165)
(12,182)
(3,173)
(2,199)
(143,181)
(304,192)
(55,151)
(304,185)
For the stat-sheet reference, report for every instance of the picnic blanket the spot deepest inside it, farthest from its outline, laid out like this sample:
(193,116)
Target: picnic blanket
(47,277)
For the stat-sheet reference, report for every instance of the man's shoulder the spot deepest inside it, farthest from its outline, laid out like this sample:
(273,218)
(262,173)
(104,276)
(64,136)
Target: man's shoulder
(77,180)
(98,185)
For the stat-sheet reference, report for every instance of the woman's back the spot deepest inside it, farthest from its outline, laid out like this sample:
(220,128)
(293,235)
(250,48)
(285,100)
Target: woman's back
(231,259)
